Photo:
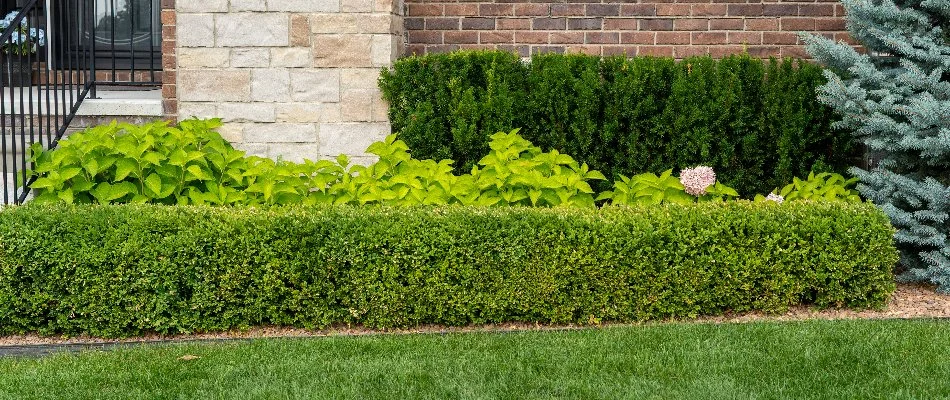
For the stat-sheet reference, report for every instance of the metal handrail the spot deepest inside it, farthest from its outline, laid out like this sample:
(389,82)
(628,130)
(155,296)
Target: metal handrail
(37,103)
(39,109)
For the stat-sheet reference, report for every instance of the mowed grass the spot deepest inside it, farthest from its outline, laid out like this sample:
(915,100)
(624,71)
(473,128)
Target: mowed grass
(791,360)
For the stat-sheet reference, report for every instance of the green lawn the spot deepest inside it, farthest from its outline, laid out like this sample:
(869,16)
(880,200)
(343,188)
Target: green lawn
(795,360)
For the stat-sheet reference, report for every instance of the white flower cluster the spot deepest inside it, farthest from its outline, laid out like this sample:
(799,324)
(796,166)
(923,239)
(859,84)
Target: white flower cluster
(697,180)
(775,197)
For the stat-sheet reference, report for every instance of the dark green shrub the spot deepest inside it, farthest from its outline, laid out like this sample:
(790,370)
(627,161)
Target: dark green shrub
(454,103)
(126,270)
(757,122)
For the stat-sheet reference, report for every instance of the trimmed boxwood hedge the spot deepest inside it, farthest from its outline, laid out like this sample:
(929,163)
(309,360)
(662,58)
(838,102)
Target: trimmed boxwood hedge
(126,270)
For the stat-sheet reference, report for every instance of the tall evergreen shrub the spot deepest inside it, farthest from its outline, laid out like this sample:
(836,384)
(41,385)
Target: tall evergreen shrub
(756,121)
(448,105)
(895,97)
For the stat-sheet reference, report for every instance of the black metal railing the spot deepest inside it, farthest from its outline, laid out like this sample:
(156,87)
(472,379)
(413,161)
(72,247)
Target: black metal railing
(125,39)
(38,102)
(44,77)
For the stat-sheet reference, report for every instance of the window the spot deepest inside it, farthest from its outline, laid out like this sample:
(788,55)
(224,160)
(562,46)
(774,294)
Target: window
(127,33)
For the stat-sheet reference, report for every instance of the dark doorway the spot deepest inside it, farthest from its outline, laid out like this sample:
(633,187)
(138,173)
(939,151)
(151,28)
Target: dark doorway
(127,34)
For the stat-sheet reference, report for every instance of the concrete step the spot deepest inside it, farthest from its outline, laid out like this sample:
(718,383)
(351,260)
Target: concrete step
(107,102)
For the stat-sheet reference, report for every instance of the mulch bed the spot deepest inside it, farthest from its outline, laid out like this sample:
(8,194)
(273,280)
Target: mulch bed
(909,301)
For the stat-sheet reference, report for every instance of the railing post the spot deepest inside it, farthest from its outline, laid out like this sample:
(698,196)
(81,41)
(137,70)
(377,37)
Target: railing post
(92,48)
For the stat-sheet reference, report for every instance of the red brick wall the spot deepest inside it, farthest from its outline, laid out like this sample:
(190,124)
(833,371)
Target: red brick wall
(663,28)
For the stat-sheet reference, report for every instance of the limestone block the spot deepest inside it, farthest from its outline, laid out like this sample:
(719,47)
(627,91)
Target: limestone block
(252,30)
(214,85)
(197,110)
(291,57)
(300,30)
(398,25)
(342,51)
(384,6)
(350,138)
(358,6)
(359,78)
(296,152)
(380,108)
(203,57)
(247,112)
(280,133)
(299,112)
(350,23)
(248,5)
(199,6)
(270,85)
(331,112)
(195,30)
(233,133)
(254,149)
(317,85)
(357,105)
(250,58)
(384,50)
(304,5)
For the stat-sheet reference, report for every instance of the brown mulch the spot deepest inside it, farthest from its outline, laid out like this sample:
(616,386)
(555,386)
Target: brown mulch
(909,301)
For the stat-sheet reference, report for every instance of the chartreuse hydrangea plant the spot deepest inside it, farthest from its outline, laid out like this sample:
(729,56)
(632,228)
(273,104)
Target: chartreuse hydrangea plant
(515,172)
(825,186)
(192,164)
(694,184)
(152,163)
(395,179)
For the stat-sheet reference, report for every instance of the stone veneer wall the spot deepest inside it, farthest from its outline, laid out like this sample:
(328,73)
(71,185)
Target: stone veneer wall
(290,78)
(660,27)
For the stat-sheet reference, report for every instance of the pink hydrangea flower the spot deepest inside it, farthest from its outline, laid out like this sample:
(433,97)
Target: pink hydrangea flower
(775,197)
(697,180)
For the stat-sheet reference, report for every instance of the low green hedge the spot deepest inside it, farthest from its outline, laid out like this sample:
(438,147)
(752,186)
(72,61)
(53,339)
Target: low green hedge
(126,270)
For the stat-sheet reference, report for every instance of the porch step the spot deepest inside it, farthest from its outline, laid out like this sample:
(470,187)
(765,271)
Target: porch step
(118,103)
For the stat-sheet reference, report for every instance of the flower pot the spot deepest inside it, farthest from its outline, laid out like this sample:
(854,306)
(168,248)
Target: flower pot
(15,71)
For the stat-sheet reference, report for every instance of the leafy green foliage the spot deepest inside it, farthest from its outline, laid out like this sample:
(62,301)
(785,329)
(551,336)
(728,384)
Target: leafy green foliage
(396,179)
(652,189)
(516,172)
(757,121)
(124,163)
(191,164)
(825,186)
(126,270)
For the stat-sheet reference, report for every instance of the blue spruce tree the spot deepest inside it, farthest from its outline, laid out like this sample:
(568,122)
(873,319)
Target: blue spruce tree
(896,99)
